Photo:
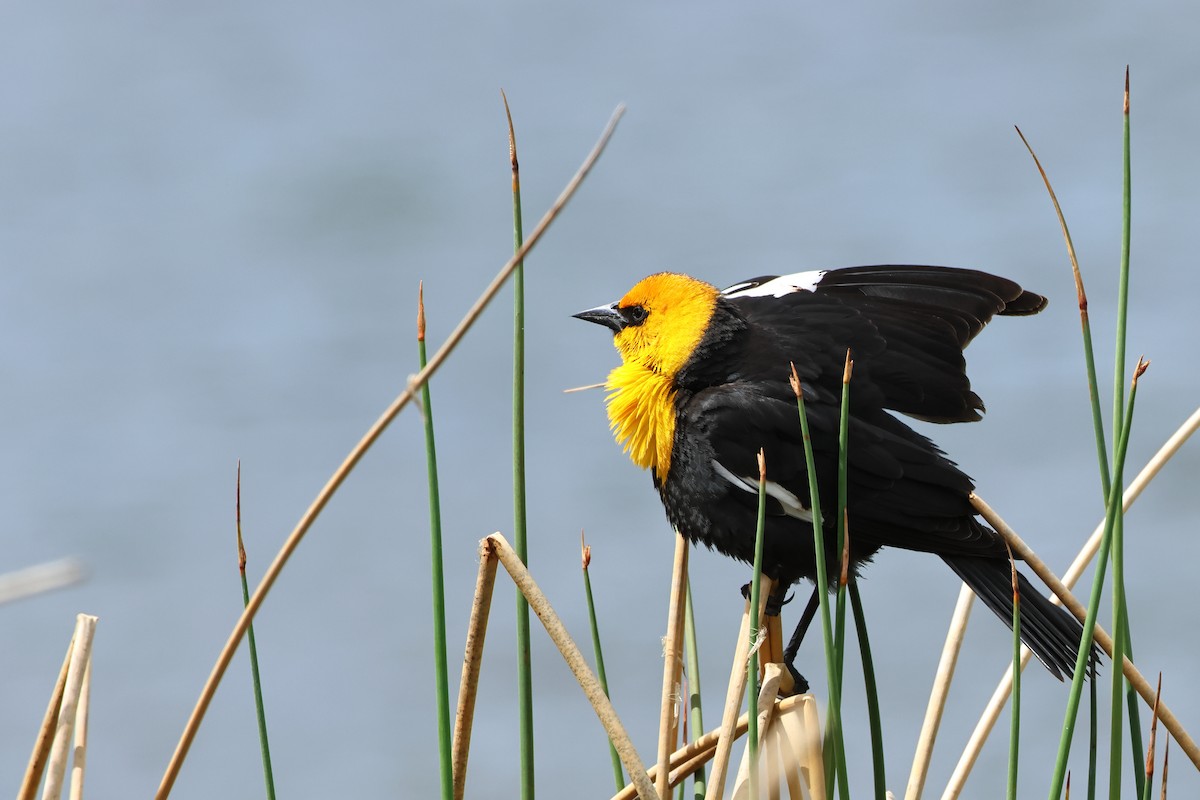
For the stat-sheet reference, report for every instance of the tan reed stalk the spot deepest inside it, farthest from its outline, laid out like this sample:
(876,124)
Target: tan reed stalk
(1132,674)
(729,714)
(576,662)
(734,695)
(39,578)
(60,751)
(356,454)
(1000,696)
(79,762)
(45,738)
(464,715)
(699,752)
(668,716)
(941,690)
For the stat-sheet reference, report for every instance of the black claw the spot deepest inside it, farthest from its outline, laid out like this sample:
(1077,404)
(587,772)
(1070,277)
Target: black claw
(776,602)
(801,686)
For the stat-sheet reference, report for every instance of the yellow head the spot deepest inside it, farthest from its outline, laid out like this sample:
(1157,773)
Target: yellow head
(657,326)
(663,318)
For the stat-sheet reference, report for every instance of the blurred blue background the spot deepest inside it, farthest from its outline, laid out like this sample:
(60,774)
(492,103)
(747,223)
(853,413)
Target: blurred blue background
(213,219)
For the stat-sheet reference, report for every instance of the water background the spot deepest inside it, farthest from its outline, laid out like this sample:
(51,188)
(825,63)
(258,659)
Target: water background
(213,219)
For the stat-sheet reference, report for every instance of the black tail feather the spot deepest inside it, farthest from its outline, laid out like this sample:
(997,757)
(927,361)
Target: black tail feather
(1048,630)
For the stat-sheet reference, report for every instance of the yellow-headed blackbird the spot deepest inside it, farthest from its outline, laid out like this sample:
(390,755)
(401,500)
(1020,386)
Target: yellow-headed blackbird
(704,383)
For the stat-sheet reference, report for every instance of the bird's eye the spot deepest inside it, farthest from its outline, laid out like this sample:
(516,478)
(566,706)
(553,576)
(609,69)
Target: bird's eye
(636,315)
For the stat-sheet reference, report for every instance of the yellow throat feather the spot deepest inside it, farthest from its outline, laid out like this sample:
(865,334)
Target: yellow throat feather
(641,392)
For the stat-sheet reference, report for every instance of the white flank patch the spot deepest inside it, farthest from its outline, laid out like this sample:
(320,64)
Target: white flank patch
(778,287)
(791,504)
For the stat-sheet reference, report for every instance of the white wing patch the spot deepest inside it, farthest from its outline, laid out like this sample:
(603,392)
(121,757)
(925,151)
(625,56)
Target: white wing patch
(778,287)
(791,504)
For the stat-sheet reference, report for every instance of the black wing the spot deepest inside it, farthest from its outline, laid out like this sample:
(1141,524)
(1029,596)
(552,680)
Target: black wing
(902,491)
(906,327)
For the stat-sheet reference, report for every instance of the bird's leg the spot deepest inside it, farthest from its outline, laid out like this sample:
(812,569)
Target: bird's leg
(775,603)
(771,647)
(793,647)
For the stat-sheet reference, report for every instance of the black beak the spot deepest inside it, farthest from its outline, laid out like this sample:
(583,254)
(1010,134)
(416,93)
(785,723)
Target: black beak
(608,316)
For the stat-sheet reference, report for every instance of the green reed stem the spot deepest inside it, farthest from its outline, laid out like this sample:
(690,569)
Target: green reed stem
(437,572)
(1093,740)
(1123,284)
(873,715)
(1083,658)
(1118,546)
(618,773)
(755,595)
(1132,705)
(1014,732)
(264,741)
(843,544)
(1124,638)
(834,749)
(1117,713)
(524,663)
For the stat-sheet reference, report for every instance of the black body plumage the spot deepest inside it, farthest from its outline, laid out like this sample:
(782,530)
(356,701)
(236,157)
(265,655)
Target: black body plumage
(905,328)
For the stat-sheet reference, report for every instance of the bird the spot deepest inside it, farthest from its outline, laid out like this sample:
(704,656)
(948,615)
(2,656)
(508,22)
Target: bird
(703,386)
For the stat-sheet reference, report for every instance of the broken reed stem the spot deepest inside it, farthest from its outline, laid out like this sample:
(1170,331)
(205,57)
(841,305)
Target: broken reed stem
(734,695)
(45,738)
(464,714)
(79,762)
(668,716)
(60,751)
(699,752)
(760,761)
(575,661)
(1000,696)
(356,454)
(729,714)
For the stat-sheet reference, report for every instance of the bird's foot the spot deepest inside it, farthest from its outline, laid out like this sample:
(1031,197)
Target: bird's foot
(775,602)
(801,684)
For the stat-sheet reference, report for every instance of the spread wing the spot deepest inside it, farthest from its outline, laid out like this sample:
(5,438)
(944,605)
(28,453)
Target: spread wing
(906,327)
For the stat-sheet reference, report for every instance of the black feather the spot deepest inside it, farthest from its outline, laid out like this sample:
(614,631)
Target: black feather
(905,328)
